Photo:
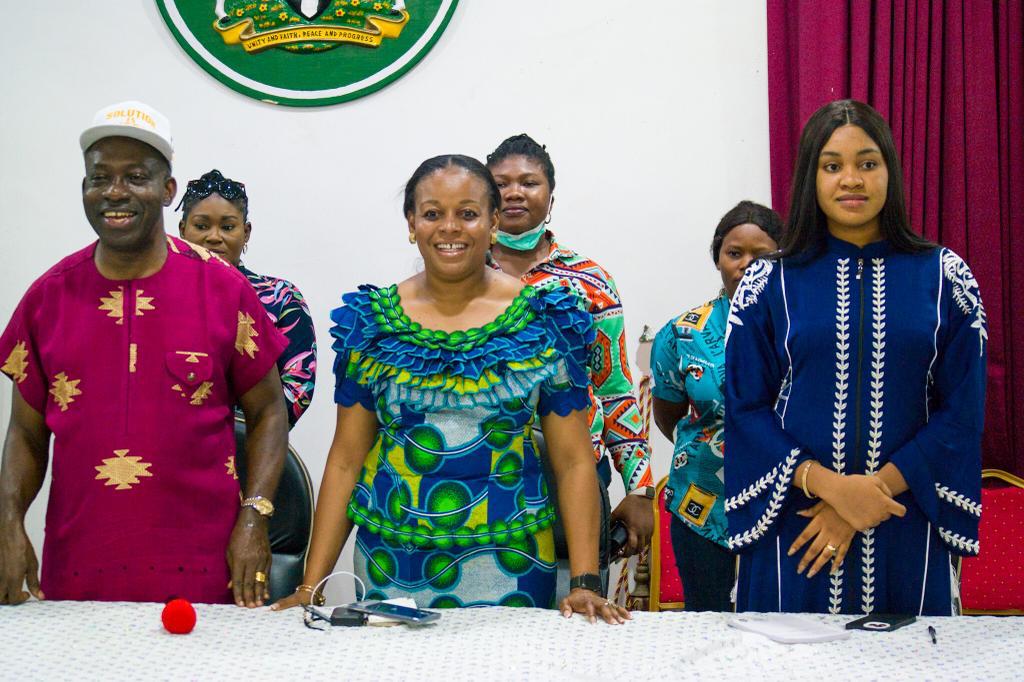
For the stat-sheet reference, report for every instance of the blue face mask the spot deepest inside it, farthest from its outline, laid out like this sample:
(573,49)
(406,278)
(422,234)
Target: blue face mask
(526,241)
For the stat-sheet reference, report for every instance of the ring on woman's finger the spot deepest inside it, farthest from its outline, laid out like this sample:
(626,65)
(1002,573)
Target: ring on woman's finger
(832,548)
(261,577)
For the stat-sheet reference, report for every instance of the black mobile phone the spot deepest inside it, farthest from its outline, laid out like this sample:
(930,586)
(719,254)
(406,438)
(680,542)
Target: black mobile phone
(617,539)
(881,622)
(402,613)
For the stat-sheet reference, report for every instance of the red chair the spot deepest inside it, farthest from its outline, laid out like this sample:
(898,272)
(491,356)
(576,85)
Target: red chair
(666,586)
(992,583)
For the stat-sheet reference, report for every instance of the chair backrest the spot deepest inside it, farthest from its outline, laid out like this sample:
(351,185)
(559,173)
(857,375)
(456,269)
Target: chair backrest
(561,546)
(993,582)
(666,585)
(292,523)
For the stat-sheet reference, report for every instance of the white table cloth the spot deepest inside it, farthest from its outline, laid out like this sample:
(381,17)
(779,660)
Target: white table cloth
(91,640)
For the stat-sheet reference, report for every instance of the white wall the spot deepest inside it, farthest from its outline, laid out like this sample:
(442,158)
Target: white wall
(657,124)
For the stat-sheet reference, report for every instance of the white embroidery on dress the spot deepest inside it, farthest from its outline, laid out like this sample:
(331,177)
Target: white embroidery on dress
(959,541)
(958,500)
(752,491)
(842,386)
(875,424)
(774,504)
(753,283)
(966,293)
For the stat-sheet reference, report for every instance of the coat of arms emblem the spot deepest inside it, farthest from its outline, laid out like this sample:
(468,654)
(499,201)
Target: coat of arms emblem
(307,52)
(308,25)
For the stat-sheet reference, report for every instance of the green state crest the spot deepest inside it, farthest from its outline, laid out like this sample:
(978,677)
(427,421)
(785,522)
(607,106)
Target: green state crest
(306,52)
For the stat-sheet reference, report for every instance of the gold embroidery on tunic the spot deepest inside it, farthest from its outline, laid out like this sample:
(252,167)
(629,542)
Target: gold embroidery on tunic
(193,355)
(173,247)
(143,303)
(133,356)
(122,471)
(230,464)
(201,393)
(114,304)
(244,343)
(17,363)
(176,387)
(203,253)
(64,390)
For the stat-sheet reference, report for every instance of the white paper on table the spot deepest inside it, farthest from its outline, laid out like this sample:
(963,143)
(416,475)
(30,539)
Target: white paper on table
(788,628)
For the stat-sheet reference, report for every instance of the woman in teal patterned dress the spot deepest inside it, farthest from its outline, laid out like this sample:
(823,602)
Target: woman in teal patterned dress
(439,380)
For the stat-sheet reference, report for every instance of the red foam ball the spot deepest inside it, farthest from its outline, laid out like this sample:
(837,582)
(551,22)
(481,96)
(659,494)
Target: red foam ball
(179,617)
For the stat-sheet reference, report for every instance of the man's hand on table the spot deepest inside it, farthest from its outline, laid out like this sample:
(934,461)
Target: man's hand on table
(248,555)
(18,564)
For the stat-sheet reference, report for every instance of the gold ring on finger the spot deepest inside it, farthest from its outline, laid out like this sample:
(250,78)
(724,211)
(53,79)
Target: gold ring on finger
(832,548)
(261,577)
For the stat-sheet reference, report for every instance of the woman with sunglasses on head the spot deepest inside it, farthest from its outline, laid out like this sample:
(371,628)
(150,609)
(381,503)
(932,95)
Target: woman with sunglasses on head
(216,217)
(526,248)
(855,392)
(439,380)
(688,363)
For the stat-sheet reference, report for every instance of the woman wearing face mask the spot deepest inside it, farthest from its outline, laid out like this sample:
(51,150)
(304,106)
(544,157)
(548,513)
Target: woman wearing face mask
(527,249)
(440,379)
(855,391)
(688,359)
(216,217)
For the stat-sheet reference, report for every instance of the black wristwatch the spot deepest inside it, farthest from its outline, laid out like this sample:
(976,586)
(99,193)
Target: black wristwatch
(587,581)
(648,491)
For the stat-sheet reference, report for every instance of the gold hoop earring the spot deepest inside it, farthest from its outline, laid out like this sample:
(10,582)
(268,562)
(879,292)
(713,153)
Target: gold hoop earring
(412,238)
(494,238)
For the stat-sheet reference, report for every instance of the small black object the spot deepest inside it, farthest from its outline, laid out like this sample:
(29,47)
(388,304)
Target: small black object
(931,633)
(881,622)
(617,539)
(346,617)
(587,581)
(649,492)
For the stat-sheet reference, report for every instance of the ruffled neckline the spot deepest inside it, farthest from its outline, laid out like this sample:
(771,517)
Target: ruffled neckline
(386,306)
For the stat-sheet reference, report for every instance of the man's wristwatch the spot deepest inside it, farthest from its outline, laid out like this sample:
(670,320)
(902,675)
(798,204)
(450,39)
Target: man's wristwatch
(587,581)
(647,491)
(261,504)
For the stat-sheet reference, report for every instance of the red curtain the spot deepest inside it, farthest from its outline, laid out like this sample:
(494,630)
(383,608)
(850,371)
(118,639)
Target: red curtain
(949,78)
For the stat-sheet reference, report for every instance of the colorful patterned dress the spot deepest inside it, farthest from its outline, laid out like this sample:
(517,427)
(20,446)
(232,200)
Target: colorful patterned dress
(856,358)
(616,424)
(137,380)
(451,505)
(688,359)
(297,364)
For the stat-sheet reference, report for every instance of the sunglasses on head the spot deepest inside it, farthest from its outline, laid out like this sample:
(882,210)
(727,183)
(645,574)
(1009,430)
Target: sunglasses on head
(200,189)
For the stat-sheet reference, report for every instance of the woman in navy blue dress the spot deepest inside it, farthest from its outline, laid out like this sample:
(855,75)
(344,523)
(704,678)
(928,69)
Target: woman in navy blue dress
(855,390)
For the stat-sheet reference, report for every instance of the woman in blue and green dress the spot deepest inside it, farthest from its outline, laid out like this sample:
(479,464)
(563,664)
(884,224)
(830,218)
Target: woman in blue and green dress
(439,380)
(689,371)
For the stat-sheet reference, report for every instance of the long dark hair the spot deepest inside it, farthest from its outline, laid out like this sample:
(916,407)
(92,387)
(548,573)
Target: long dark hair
(524,145)
(741,214)
(806,227)
(437,163)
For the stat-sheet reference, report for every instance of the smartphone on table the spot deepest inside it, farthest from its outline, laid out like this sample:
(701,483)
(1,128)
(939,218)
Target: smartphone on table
(880,622)
(394,611)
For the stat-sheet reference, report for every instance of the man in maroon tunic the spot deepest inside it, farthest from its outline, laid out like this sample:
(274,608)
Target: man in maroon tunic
(132,353)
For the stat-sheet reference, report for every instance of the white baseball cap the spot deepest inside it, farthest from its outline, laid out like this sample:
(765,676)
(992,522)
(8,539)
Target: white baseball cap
(131,119)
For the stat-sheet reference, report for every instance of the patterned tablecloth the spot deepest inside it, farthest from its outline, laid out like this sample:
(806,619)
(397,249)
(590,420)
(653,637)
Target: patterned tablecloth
(88,640)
